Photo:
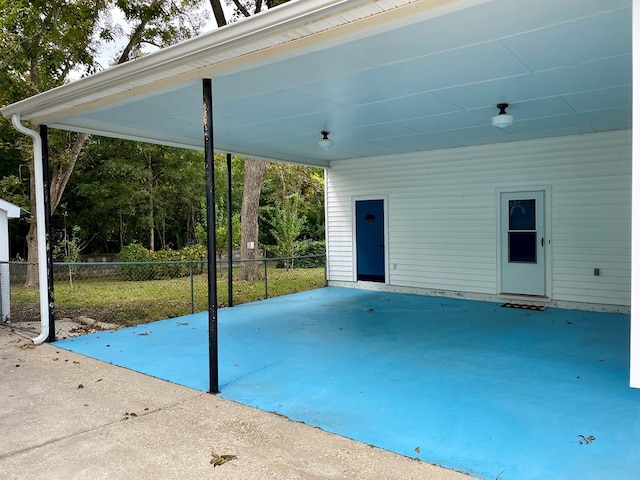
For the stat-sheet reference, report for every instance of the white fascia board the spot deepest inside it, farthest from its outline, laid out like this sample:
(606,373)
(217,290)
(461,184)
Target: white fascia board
(183,142)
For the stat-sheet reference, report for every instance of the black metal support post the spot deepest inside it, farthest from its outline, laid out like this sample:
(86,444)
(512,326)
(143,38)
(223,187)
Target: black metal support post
(212,271)
(229,235)
(46,178)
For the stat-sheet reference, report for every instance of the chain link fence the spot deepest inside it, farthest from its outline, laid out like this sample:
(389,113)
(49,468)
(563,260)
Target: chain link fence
(130,293)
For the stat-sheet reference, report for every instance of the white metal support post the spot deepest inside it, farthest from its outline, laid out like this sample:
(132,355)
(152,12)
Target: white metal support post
(634,378)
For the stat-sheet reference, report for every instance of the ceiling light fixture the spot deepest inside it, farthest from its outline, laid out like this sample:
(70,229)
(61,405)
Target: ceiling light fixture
(503,119)
(326,143)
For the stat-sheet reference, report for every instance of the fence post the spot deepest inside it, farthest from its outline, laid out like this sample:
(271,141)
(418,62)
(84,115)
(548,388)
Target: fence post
(266,281)
(191,281)
(326,278)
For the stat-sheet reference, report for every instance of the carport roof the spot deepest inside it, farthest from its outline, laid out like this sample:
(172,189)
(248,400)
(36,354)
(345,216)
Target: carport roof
(383,76)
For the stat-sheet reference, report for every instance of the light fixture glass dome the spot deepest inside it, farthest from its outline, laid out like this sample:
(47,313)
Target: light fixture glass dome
(503,119)
(326,143)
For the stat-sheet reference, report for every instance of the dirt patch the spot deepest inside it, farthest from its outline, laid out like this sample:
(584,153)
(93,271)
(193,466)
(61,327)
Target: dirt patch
(29,312)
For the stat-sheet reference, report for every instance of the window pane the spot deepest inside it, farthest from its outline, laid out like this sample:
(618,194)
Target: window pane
(522,214)
(522,247)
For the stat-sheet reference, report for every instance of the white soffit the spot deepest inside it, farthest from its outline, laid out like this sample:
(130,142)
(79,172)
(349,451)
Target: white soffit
(383,77)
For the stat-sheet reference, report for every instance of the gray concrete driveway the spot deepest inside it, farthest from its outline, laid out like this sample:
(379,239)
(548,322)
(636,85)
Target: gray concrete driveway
(63,415)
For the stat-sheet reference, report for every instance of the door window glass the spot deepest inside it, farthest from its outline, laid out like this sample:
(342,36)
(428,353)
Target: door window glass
(522,214)
(522,231)
(522,247)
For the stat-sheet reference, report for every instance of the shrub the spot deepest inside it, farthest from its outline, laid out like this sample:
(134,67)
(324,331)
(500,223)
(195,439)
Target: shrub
(135,253)
(304,248)
(156,271)
(309,247)
(198,254)
(168,270)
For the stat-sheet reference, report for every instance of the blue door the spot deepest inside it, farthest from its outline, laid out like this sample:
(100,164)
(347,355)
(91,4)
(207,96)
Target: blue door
(370,240)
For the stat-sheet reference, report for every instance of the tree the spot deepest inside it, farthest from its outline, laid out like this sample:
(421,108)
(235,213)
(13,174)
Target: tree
(237,176)
(287,224)
(44,41)
(253,174)
(281,182)
(253,169)
(157,23)
(68,250)
(107,193)
(122,189)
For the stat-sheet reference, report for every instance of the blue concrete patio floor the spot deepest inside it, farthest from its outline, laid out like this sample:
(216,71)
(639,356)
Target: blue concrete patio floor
(494,392)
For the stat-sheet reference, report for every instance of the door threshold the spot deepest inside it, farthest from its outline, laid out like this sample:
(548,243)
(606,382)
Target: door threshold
(525,299)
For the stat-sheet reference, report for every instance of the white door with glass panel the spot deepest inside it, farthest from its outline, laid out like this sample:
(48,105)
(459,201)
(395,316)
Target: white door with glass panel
(522,243)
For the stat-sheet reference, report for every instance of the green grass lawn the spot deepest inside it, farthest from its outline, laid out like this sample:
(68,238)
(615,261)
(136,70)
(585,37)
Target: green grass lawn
(132,302)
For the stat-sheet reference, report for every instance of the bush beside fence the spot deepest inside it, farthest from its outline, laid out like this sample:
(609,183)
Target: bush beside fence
(128,293)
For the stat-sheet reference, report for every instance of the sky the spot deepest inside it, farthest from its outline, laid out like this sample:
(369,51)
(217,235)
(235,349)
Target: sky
(108,54)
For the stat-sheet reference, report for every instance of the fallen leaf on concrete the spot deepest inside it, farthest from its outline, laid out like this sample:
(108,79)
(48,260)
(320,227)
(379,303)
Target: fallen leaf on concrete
(582,440)
(218,460)
(81,386)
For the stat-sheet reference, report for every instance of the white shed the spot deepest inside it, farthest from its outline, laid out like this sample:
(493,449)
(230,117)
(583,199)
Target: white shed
(424,193)
(7,211)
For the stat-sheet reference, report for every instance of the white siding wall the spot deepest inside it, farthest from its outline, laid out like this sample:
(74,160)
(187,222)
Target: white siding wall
(443,214)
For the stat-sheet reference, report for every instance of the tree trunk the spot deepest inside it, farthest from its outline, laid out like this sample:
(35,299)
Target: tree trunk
(218,13)
(152,227)
(32,256)
(151,192)
(121,233)
(253,173)
(59,178)
(62,170)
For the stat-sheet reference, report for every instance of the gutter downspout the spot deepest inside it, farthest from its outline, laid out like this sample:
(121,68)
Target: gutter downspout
(40,230)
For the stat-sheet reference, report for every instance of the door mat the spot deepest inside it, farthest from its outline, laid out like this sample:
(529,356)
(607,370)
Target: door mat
(539,308)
